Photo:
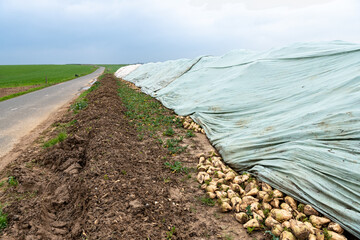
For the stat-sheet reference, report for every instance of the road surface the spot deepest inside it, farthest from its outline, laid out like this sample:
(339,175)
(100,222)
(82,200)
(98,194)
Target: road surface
(20,115)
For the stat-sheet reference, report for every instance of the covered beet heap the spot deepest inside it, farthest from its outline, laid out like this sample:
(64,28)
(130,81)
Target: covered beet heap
(290,116)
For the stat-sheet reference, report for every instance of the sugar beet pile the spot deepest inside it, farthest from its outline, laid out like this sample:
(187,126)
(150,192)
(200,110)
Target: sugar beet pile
(289,116)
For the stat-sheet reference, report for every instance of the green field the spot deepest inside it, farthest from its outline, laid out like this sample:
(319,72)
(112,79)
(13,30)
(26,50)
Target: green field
(112,68)
(27,75)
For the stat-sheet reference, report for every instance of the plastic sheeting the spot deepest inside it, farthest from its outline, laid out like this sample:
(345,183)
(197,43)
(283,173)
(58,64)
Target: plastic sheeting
(122,72)
(290,115)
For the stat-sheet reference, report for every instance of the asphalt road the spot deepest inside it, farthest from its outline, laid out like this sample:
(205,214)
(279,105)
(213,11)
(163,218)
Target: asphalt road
(20,115)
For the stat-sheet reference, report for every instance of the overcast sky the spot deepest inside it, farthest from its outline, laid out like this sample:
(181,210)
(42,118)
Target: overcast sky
(130,31)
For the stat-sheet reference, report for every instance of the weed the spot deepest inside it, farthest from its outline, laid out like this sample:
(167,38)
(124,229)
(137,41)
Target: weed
(189,134)
(30,164)
(123,172)
(187,177)
(170,233)
(140,137)
(192,209)
(228,237)
(301,207)
(207,182)
(80,105)
(12,181)
(178,123)
(304,219)
(248,210)
(327,235)
(217,216)
(273,237)
(59,138)
(207,201)
(176,167)
(169,132)
(3,220)
(266,212)
(173,145)
(2,183)
(251,178)
(167,180)
(271,194)
(250,229)
(287,229)
(61,126)
(106,177)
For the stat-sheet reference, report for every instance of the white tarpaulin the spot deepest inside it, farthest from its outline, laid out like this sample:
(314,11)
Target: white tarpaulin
(291,116)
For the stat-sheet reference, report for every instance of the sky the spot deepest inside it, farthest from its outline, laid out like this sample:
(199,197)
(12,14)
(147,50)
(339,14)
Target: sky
(140,31)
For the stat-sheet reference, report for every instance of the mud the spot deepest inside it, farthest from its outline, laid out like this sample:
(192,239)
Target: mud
(102,182)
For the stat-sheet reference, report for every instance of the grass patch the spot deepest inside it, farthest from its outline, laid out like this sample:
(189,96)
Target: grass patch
(147,114)
(59,138)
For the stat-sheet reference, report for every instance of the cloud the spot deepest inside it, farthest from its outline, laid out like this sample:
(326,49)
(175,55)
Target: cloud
(153,30)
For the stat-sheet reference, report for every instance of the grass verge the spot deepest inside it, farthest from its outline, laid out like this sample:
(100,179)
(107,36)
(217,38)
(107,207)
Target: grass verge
(43,75)
(146,113)
(111,68)
(150,117)
(24,92)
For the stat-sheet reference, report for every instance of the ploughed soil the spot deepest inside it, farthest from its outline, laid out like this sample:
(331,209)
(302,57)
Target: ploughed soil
(103,182)
(8,91)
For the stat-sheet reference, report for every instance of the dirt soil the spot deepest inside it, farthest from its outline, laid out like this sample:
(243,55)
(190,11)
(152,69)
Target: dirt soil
(102,182)
(8,91)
